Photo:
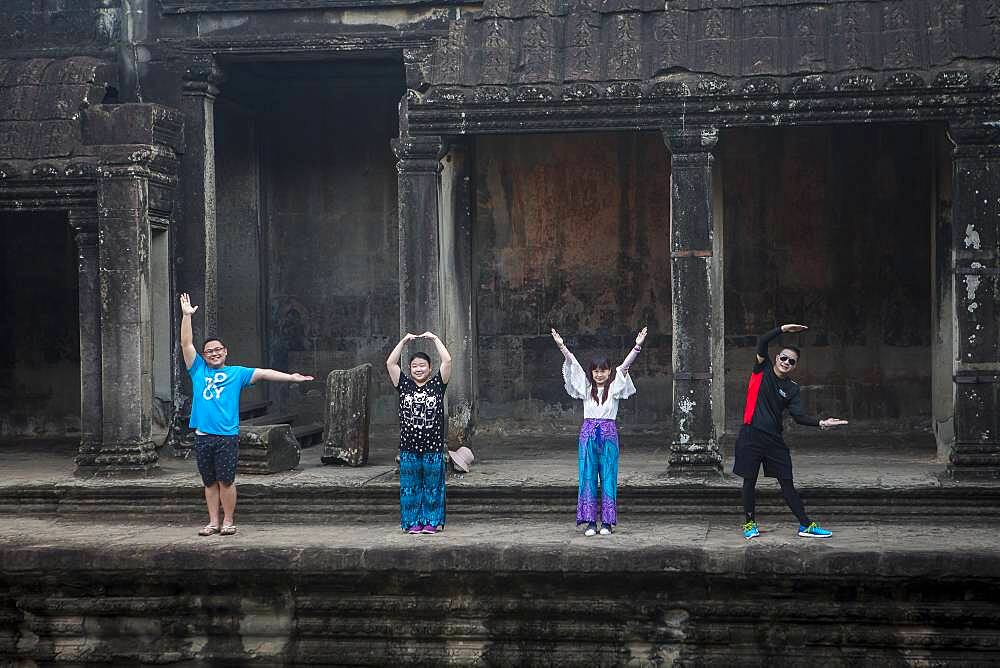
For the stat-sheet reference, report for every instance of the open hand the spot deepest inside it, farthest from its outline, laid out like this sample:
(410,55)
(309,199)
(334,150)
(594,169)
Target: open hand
(186,308)
(831,422)
(299,378)
(555,337)
(793,328)
(641,336)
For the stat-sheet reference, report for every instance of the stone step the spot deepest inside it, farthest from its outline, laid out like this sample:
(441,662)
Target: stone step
(298,503)
(523,593)
(252,409)
(309,435)
(269,418)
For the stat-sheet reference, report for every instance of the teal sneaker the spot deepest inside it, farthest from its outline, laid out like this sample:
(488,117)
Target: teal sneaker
(813,531)
(750,530)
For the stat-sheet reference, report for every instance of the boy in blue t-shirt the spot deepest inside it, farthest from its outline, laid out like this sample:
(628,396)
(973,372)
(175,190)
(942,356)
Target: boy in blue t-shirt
(215,417)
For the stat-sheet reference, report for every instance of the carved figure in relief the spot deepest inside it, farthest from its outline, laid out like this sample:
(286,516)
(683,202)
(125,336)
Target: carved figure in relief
(600,388)
(760,442)
(715,25)
(422,435)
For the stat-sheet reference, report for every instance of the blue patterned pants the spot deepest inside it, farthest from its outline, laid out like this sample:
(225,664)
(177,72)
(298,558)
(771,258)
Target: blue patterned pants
(421,489)
(598,462)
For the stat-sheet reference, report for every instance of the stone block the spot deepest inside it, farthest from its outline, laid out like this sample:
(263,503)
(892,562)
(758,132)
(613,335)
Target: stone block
(267,449)
(133,124)
(348,415)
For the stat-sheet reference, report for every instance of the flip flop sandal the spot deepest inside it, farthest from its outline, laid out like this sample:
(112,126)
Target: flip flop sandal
(228,530)
(208,530)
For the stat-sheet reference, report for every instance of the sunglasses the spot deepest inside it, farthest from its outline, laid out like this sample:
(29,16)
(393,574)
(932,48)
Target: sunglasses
(790,361)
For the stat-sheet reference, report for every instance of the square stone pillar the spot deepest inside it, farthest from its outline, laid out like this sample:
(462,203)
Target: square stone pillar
(457,286)
(136,146)
(419,168)
(197,268)
(694,449)
(126,445)
(195,261)
(976,267)
(83,221)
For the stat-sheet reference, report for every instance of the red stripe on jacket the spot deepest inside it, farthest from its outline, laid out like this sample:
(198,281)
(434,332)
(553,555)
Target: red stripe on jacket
(752,390)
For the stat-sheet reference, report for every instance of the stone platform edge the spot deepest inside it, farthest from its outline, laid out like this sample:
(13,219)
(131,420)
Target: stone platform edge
(814,560)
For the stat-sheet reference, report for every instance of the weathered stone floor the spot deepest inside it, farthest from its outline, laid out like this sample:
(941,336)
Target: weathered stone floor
(857,548)
(848,459)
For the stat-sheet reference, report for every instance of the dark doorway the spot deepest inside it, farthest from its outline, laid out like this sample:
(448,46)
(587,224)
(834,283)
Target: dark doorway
(39,329)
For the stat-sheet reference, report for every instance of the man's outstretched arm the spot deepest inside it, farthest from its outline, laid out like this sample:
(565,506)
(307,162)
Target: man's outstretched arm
(798,414)
(187,336)
(765,339)
(278,376)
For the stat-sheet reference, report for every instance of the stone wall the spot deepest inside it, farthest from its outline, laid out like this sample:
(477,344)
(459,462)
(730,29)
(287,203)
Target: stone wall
(830,226)
(571,232)
(39,328)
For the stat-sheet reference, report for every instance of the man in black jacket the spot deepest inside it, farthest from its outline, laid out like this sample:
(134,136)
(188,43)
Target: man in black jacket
(771,391)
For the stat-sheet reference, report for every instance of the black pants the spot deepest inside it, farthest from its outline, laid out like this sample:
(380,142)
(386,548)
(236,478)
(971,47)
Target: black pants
(788,491)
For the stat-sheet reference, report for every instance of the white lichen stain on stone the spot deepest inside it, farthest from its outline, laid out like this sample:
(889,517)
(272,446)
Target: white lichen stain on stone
(686,404)
(971,286)
(972,237)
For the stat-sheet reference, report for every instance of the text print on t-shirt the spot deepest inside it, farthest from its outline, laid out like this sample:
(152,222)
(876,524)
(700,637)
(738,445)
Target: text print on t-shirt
(418,409)
(213,389)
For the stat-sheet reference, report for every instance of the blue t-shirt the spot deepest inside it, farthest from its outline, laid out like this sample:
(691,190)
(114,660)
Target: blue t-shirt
(215,397)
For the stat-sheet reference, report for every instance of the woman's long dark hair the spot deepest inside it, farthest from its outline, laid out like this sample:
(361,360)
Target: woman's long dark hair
(600,363)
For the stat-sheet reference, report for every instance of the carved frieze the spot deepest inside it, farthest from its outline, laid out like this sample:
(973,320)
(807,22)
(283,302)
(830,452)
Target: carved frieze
(623,47)
(535,55)
(713,40)
(760,46)
(808,34)
(582,37)
(669,47)
(494,55)
(900,41)
(574,51)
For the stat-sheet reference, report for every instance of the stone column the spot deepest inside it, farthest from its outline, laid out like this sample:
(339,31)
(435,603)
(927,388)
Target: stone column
(456,286)
(126,337)
(694,449)
(419,167)
(195,268)
(197,263)
(84,224)
(976,267)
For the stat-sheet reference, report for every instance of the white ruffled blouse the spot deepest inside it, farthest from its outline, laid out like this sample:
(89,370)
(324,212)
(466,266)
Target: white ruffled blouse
(578,387)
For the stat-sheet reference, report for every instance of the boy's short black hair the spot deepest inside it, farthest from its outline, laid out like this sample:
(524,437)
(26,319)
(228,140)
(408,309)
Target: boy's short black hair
(210,339)
(794,349)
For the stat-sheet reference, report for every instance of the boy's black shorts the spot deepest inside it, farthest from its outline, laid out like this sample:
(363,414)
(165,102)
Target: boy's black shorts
(755,447)
(217,458)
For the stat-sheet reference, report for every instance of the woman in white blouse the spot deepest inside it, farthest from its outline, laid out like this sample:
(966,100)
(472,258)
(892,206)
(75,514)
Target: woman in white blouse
(600,388)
